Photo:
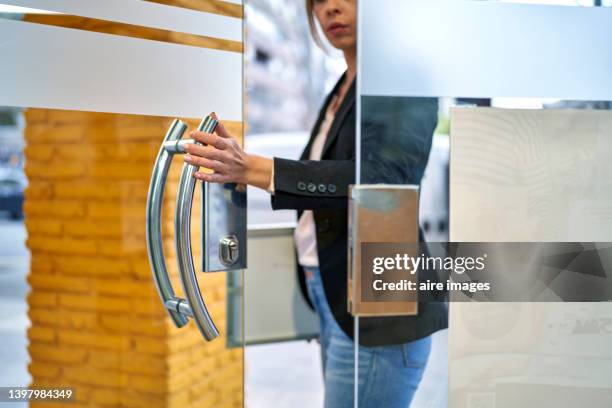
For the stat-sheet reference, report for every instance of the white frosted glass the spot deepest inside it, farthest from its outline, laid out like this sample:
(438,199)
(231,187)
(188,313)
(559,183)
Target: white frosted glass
(484,49)
(59,68)
(144,13)
(530,175)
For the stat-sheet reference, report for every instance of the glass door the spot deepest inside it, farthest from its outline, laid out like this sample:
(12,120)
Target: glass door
(482,110)
(114,271)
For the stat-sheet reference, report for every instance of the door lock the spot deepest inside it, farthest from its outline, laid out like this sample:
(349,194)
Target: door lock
(229,250)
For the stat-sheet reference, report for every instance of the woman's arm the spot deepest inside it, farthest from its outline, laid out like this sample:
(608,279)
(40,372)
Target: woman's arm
(299,185)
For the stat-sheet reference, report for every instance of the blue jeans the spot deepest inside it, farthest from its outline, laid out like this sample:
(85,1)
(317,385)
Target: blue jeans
(388,375)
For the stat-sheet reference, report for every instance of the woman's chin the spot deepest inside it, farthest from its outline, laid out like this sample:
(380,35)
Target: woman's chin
(343,43)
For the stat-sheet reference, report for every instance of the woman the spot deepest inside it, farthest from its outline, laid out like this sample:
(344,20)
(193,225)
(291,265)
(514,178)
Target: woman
(394,350)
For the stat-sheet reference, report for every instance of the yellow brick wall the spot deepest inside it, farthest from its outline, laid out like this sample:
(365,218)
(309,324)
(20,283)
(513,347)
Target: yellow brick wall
(97,321)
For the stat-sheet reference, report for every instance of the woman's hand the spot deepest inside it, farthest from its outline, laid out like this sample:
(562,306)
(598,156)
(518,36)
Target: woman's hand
(222,153)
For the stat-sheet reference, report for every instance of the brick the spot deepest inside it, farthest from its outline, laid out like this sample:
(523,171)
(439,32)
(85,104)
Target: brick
(93,229)
(41,264)
(54,170)
(35,115)
(203,353)
(138,192)
(183,361)
(130,363)
(208,400)
(44,370)
(53,134)
(113,211)
(104,132)
(154,327)
(142,132)
(43,226)
(61,245)
(138,152)
(39,152)
(150,346)
(57,354)
(39,190)
(94,303)
(128,246)
(105,396)
(180,381)
(82,393)
(95,340)
(149,384)
(141,268)
(120,171)
(63,319)
(99,190)
(59,283)
(57,208)
(95,377)
(91,266)
(125,134)
(149,307)
(41,334)
(82,152)
(134,399)
(133,289)
(42,299)
(179,399)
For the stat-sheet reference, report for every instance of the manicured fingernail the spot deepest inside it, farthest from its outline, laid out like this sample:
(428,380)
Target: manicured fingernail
(188,158)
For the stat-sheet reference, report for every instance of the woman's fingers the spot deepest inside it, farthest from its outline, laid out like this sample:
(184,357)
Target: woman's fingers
(210,139)
(219,152)
(211,178)
(220,129)
(215,165)
(207,152)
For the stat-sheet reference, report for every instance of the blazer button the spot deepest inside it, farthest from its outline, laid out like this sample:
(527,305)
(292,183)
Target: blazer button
(312,187)
(322,188)
(331,188)
(301,186)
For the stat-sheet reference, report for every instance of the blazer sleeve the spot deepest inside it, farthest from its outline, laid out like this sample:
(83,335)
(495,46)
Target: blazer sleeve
(312,184)
(395,144)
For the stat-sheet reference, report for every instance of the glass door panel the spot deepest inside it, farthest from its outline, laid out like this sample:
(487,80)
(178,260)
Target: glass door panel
(488,86)
(97,90)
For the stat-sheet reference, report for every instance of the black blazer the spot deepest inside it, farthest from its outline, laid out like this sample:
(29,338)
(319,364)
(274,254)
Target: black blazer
(322,186)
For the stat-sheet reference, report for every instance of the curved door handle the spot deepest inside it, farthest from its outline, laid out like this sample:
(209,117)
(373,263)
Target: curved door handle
(222,239)
(182,240)
(177,308)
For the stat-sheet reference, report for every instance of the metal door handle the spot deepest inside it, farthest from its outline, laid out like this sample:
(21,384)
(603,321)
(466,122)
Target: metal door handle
(229,207)
(177,308)
(193,306)
(182,240)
